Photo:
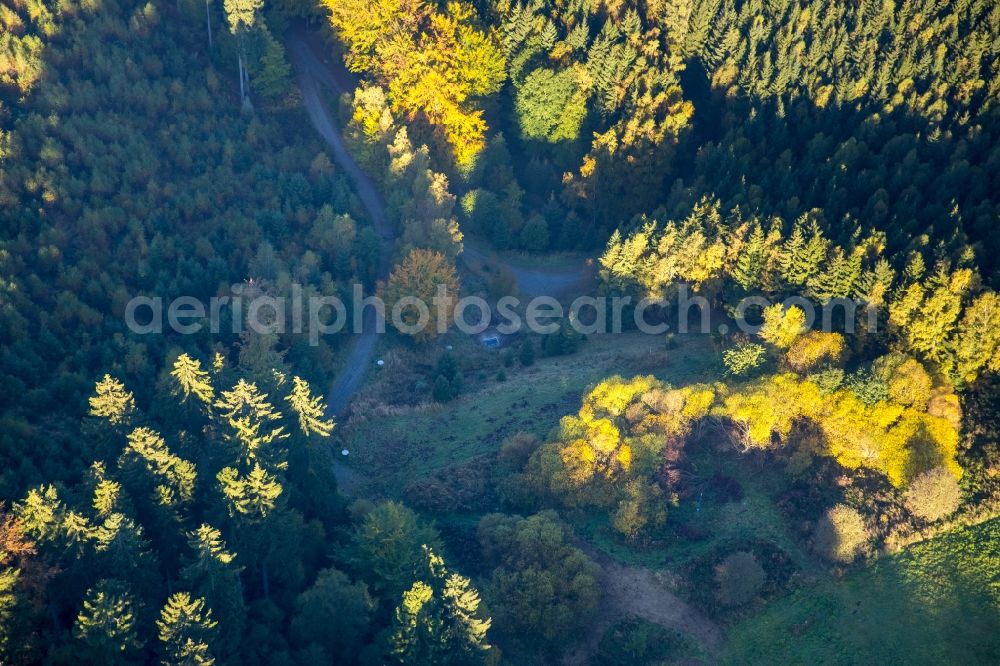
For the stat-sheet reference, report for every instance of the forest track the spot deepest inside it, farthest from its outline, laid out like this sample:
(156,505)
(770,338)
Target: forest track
(561,283)
(315,73)
(312,75)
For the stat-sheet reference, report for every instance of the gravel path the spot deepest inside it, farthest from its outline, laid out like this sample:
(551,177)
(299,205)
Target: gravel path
(630,590)
(312,74)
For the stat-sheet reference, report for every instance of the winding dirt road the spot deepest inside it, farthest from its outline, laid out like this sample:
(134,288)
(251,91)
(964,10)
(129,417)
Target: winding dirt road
(315,73)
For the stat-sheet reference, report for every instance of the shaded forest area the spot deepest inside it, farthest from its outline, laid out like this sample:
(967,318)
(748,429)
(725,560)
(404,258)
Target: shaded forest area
(127,168)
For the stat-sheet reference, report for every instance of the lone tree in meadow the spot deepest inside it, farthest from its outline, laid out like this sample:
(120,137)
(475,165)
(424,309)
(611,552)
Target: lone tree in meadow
(934,494)
(840,534)
(740,578)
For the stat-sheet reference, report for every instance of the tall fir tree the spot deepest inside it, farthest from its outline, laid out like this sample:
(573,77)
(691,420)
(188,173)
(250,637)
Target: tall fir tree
(210,572)
(187,631)
(106,624)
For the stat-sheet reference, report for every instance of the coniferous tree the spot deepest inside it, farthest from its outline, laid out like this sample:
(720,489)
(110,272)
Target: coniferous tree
(187,631)
(253,432)
(333,614)
(274,78)
(192,380)
(387,548)
(309,409)
(749,269)
(106,624)
(211,573)
(438,620)
(252,496)
(112,401)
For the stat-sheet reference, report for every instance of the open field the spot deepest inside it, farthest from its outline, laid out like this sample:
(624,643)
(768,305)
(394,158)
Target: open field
(416,441)
(935,603)
(702,522)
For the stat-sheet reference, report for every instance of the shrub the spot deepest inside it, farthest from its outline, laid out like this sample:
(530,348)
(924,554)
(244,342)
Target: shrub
(442,391)
(460,487)
(840,534)
(635,640)
(809,350)
(448,381)
(527,353)
(744,358)
(934,494)
(517,449)
(739,578)
(562,342)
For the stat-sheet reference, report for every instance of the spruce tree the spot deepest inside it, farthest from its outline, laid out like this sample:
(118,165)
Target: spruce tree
(309,409)
(749,268)
(526,355)
(106,624)
(187,631)
(790,257)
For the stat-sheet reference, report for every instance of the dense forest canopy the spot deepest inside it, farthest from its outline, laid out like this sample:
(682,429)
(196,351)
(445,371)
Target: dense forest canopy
(877,115)
(183,499)
(127,169)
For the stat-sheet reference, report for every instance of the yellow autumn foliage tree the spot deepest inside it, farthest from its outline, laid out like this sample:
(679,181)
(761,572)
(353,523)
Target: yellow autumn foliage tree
(898,440)
(433,62)
(813,348)
(781,327)
(616,451)
(423,277)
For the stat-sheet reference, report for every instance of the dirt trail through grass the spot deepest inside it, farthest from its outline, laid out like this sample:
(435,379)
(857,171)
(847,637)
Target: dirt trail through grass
(630,590)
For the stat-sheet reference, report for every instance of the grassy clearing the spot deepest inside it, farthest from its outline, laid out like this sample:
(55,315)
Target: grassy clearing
(702,524)
(935,603)
(413,442)
(548,261)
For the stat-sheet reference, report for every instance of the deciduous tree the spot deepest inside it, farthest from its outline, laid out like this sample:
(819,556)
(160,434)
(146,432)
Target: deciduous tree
(423,277)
